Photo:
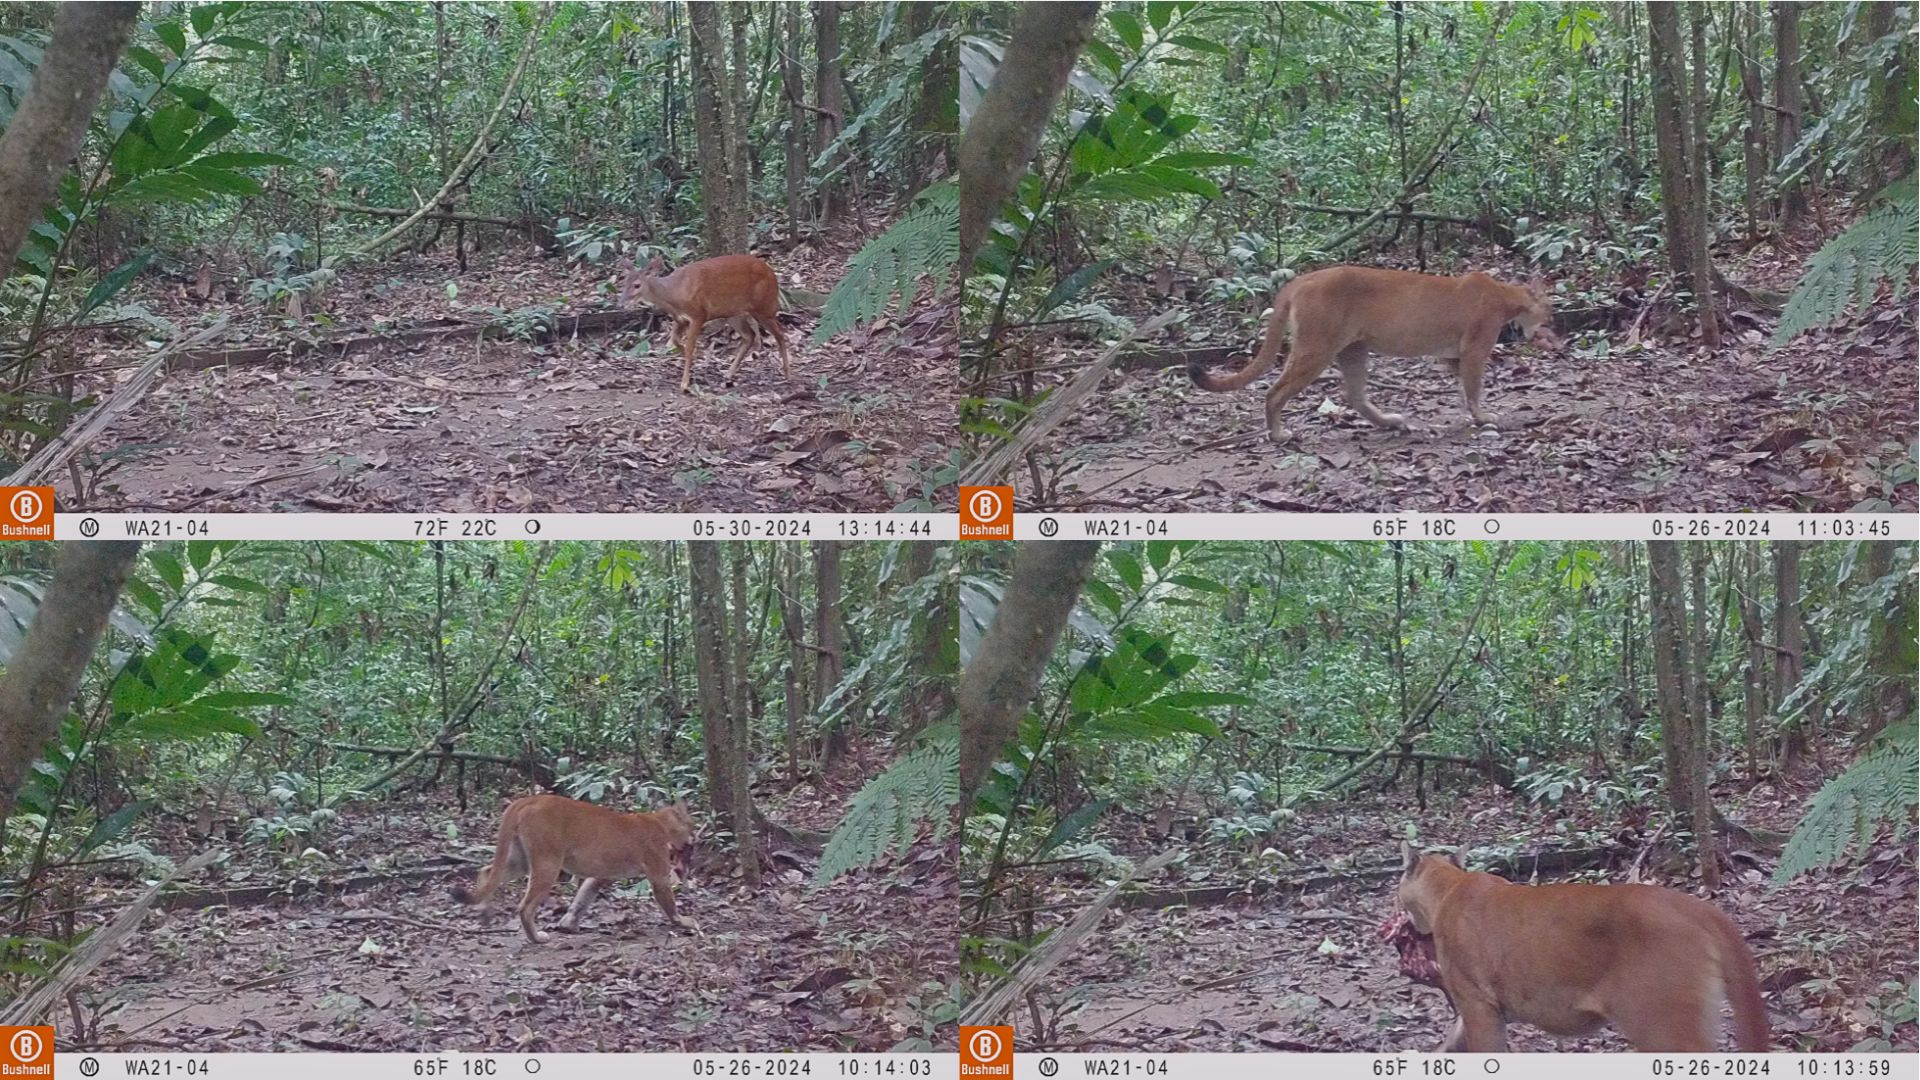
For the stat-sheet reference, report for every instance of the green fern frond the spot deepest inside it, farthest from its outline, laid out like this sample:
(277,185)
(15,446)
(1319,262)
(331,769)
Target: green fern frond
(1881,246)
(1882,786)
(888,812)
(924,243)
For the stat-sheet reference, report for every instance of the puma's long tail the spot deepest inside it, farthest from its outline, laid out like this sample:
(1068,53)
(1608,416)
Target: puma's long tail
(1262,361)
(1741,982)
(505,850)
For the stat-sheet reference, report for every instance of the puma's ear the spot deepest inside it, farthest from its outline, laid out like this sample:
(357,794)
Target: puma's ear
(656,265)
(1454,858)
(1538,284)
(1409,858)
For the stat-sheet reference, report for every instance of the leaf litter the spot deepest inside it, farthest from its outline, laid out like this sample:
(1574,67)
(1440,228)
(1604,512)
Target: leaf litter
(588,422)
(1826,423)
(399,966)
(1306,972)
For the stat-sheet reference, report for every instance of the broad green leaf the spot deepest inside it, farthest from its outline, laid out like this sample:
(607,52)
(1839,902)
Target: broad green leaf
(108,287)
(1199,44)
(1158,552)
(167,567)
(1127,27)
(172,37)
(1103,54)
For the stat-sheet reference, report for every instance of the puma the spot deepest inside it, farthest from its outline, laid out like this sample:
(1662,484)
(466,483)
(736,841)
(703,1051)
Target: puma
(1567,958)
(541,835)
(1343,314)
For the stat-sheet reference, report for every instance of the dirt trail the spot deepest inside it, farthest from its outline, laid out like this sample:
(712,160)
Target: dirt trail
(1308,973)
(587,423)
(401,967)
(1824,424)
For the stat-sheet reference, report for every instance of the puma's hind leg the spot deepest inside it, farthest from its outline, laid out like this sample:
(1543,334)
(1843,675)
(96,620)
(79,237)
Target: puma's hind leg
(1305,361)
(1353,372)
(589,889)
(540,881)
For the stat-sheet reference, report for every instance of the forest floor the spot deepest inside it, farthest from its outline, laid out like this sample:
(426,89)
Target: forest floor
(1306,971)
(1826,423)
(585,422)
(400,967)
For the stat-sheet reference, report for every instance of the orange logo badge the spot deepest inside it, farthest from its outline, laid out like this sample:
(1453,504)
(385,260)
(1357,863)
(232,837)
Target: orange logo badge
(986,1051)
(986,513)
(26,1051)
(26,513)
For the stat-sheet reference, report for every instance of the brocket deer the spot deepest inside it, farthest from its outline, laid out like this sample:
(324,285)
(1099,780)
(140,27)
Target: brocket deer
(739,288)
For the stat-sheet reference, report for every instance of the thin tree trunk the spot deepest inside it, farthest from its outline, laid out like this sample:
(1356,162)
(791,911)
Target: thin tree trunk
(475,152)
(51,123)
(740,744)
(1787,119)
(1700,194)
(1700,734)
(708,602)
(1753,629)
(1754,138)
(936,108)
(793,85)
(1671,131)
(798,701)
(723,218)
(829,106)
(1895,158)
(44,672)
(740,14)
(1789,644)
(1005,671)
(829,640)
(1665,602)
(1006,126)
(937,656)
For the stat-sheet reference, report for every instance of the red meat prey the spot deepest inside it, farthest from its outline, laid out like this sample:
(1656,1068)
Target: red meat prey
(1417,959)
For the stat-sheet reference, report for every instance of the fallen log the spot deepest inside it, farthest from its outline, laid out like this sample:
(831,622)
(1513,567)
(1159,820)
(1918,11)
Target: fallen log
(1518,865)
(586,322)
(1409,755)
(100,946)
(433,215)
(246,895)
(57,452)
(1410,215)
(450,755)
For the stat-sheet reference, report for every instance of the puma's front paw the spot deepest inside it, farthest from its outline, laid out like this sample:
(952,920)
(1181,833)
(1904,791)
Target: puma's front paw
(541,937)
(1485,421)
(569,924)
(1393,420)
